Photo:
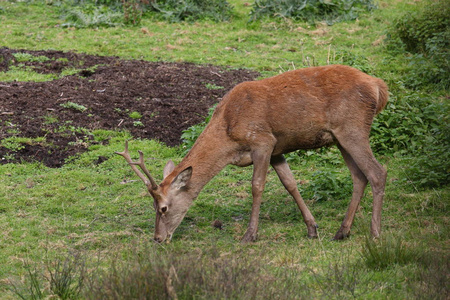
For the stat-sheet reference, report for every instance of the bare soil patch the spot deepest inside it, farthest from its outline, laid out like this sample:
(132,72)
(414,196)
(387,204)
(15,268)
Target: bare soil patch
(152,100)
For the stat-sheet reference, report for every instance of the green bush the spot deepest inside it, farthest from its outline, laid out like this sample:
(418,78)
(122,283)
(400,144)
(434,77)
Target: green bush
(311,10)
(406,122)
(430,167)
(425,33)
(192,10)
(416,126)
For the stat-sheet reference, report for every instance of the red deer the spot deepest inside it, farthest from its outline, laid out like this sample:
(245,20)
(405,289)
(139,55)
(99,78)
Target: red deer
(259,121)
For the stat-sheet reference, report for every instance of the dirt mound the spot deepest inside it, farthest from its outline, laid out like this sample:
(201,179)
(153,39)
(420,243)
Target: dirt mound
(152,100)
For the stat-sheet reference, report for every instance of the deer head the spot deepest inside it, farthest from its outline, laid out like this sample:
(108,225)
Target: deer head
(171,198)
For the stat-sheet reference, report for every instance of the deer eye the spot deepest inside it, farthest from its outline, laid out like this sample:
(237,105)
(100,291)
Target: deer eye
(163,209)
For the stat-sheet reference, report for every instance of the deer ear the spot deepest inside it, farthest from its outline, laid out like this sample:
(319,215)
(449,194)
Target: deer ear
(182,179)
(168,168)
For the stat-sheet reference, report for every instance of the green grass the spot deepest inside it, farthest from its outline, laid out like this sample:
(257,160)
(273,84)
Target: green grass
(102,213)
(265,46)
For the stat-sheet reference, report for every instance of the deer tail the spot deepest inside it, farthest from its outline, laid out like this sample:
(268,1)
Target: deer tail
(383,96)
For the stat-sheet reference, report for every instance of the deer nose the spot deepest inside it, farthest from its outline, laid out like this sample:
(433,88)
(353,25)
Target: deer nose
(163,209)
(158,239)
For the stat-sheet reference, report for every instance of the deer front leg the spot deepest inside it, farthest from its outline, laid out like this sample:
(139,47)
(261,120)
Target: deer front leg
(261,161)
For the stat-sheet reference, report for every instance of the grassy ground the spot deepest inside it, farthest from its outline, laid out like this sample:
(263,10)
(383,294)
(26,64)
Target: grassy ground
(83,212)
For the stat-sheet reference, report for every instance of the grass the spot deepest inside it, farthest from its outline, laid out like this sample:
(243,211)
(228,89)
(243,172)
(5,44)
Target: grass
(264,46)
(96,221)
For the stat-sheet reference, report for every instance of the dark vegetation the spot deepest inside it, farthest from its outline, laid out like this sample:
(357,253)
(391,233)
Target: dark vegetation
(312,10)
(93,13)
(147,271)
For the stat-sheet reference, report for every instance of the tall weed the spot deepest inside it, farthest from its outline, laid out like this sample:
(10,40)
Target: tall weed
(61,277)
(344,279)
(432,277)
(389,251)
(152,273)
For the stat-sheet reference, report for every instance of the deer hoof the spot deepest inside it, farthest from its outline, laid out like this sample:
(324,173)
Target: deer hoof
(312,231)
(249,237)
(340,235)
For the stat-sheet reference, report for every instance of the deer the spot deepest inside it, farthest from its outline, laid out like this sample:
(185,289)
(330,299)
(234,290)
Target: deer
(258,122)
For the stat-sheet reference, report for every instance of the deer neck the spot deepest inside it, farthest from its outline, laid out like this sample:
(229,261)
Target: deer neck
(209,155)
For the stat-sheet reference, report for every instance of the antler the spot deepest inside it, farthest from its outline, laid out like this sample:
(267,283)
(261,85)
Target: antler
(150,182)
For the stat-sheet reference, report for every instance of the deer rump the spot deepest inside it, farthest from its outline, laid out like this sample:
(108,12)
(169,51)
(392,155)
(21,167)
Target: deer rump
(259,121)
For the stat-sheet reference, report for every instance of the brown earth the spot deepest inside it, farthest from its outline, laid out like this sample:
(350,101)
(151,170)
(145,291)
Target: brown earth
(167,98)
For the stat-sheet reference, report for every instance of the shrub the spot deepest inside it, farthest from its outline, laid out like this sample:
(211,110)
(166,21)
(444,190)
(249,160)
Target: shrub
(425,33)
(417,126)
(430,167)
(311,10)
(192,10)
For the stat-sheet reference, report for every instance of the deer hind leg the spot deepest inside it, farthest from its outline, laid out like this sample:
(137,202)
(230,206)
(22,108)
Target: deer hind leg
(359,184)
(359,157)
(261,159)
(285,174)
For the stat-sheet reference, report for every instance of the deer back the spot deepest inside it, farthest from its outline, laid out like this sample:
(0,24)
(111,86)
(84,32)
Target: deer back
(301,108)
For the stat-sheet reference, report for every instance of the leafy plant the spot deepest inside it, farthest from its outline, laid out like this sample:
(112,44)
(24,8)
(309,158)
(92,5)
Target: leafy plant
(138,124)
(73,105)
(212,86)
(15,144)
(311,10)
(135,115)
(24,57)
(328,184)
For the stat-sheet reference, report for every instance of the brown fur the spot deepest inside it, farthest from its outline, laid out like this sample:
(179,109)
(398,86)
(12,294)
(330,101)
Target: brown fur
(259,121)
